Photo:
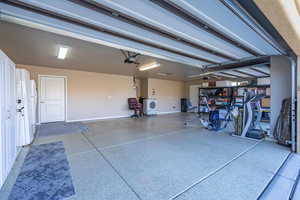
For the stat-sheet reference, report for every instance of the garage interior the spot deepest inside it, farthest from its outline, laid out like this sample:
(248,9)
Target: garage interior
(156,100)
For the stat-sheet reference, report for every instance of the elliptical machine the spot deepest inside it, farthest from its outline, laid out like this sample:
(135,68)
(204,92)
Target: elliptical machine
(252,117)
(218,119)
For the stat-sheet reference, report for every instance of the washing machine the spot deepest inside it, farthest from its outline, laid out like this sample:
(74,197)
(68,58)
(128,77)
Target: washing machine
(150,106)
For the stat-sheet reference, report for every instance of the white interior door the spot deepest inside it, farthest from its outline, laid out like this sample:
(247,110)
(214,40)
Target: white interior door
(8,139)
(10,122)
(3,117)
(194,94)
(52,99)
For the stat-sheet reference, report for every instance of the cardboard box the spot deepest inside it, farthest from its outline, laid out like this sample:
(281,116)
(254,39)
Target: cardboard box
(264,81)
(205,84)
(212,84)
(223,83)
(268,91)
(265,103)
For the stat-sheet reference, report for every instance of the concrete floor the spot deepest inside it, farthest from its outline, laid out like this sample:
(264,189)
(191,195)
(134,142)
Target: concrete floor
(157,158)
(285,180)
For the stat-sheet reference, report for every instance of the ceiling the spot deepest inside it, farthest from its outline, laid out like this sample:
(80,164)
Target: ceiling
(29,46)
(249,72)
(201,35)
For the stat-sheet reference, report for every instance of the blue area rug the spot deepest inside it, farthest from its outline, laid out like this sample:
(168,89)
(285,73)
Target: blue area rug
(61,128)
(45,174)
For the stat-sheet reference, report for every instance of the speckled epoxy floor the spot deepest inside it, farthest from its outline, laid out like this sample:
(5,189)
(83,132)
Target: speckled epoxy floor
(157,158)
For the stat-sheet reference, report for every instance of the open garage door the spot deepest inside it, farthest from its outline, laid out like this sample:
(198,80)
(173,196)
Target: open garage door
(203,34)
(90,58)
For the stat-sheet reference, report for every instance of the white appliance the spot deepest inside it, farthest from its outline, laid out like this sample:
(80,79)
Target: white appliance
(25,107)
(150,106)
(8,133)
(33,103)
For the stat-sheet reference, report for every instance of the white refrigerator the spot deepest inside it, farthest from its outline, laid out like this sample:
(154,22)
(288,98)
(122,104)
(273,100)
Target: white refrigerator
(26,107)
(33,103)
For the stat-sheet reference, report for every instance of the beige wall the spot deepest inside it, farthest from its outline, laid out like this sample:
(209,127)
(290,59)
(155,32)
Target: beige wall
(144,88)
(188,85)
(280,85)
(97,95)
(138,87)
(168,94)
(92,95)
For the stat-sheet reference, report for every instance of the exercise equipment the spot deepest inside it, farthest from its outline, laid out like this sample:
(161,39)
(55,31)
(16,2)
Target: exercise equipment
(218,119)
(252,117)
(245,116)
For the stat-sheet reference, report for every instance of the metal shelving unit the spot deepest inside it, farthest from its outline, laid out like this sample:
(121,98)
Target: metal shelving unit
(232,95)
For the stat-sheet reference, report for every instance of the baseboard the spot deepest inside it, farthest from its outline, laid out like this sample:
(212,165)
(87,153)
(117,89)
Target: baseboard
(113,117)
(98,118)
(169,112)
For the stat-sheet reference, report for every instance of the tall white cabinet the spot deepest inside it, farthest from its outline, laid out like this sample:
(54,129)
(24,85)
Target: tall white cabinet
(8,137)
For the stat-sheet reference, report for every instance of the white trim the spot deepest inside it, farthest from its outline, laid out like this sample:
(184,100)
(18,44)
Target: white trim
(114,117)
(66,94)
(169,112)
(98,118)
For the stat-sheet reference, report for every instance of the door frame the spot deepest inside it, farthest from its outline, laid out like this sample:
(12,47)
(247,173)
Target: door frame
(65,91)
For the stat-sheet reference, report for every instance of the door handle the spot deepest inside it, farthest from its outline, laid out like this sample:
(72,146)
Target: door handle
(20,109)
(42,102)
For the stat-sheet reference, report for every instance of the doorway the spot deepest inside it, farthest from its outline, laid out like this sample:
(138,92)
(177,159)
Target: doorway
(52,98)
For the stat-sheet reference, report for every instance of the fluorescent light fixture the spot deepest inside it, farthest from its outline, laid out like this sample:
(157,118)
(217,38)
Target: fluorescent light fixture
(163,74)
(62,52)
(199,75)
(149,66)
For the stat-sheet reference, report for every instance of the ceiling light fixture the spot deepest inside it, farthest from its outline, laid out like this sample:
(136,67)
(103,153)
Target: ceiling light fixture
(199,75)
(163,74)
(149,66)
(62,53)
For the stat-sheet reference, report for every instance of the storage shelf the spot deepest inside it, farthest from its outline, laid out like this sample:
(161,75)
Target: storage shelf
(214,96)
(240,86)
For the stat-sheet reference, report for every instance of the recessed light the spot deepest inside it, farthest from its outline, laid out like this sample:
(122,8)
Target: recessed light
(150,66)
(62,52)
